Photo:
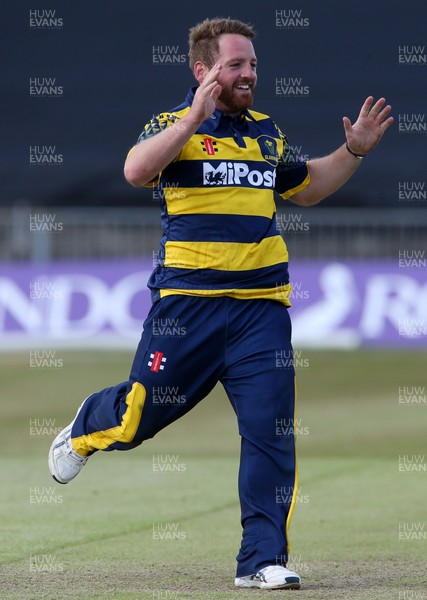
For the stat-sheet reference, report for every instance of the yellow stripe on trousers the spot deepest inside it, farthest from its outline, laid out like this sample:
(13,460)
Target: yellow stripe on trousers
(124,433)
(295,491)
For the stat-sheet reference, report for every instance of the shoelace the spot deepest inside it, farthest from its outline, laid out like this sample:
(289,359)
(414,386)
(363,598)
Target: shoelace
(77,458)
(261,574)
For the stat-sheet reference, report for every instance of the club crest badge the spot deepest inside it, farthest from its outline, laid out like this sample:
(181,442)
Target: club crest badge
(268,147)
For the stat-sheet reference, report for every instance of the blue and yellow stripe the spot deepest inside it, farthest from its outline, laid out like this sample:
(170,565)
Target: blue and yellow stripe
(218,208)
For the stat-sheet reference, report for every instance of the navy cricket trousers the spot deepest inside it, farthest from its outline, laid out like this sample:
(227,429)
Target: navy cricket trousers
(188,344)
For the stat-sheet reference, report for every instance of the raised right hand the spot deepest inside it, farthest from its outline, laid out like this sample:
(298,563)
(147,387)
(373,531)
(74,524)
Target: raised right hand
(206,96)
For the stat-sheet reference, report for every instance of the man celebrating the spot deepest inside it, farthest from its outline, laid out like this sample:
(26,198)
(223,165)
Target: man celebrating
(223,275)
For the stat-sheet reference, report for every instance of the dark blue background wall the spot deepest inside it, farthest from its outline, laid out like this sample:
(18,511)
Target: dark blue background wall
(102,57)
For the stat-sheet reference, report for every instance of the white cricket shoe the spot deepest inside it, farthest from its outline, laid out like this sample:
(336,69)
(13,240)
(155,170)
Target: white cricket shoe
(64,462)
(271,578)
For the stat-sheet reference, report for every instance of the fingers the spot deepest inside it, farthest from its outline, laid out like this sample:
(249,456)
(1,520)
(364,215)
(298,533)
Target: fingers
(210,87)
(347,124)
(366,106)
(216,92)
(370,125)
(212,75)
(377,107)
(382,115)
(386,124)
(212,90)
(378,111)
(207,94)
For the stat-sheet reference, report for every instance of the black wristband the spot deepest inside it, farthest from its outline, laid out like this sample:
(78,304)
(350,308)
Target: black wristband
(359,156)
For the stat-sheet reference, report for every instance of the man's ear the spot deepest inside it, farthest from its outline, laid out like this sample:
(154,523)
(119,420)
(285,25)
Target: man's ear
(200,70)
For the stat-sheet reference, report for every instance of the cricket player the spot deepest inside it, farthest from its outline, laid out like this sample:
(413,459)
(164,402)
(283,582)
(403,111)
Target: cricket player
(223,278)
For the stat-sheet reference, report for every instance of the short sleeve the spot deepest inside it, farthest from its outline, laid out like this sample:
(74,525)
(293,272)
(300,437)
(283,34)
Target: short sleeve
(292,174)
(156,125)
(153,127)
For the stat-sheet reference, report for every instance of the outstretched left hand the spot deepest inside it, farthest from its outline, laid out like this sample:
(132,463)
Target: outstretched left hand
(372,122)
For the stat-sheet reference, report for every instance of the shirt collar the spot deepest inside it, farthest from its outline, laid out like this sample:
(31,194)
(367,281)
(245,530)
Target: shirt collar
(218,116)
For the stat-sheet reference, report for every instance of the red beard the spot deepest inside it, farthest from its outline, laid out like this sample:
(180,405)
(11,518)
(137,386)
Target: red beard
(235,101)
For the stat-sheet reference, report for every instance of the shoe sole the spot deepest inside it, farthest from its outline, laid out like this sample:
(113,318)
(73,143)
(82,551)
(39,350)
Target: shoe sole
(285,586)
(54,444)
(50,457)
(57,480)
(290,585)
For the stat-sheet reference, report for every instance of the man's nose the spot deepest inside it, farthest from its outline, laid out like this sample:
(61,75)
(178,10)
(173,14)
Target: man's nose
(247,71)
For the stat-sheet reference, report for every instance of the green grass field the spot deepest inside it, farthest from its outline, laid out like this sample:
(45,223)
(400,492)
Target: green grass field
(359,527)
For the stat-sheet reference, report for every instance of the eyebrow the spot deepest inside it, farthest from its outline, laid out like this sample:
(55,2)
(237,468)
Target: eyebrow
(240,59)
